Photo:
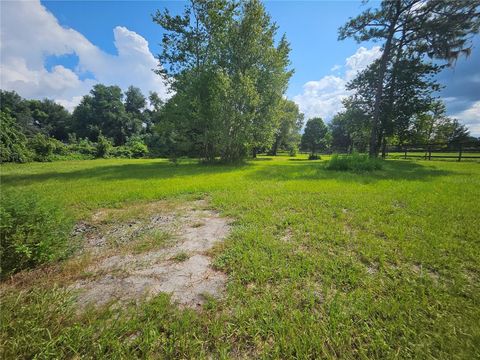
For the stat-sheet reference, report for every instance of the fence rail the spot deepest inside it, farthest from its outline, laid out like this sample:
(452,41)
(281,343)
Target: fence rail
(435,151)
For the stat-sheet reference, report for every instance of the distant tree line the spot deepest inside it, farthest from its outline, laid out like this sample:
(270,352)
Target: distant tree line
(228,76)
(105,123)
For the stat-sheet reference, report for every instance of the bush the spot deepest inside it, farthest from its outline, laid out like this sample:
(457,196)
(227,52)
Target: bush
(314,157)
(121,152)
(33,231)
(84,147)
(354,162)
(104,146)
(13,143)
(43,147)
(137,148)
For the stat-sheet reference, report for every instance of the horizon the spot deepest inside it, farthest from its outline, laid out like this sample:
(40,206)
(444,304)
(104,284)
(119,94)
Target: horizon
(60,49)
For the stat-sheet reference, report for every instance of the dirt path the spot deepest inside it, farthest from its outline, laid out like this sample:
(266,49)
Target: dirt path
(179,265)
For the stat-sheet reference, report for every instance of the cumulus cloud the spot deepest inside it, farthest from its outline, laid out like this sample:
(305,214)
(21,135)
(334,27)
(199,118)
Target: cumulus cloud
(324,97)
(30,34)
(471,118)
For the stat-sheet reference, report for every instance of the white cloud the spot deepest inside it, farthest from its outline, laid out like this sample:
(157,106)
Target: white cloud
(324,97)
(471,118)
(336,67)
(29,34)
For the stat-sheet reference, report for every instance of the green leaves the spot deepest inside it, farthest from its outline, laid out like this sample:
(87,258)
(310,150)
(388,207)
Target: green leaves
(228,75)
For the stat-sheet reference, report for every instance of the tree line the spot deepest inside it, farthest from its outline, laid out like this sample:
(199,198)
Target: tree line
(228,70)
(393,99)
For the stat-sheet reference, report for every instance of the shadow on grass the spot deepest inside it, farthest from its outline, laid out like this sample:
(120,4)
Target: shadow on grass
(140,171)
(291,170)
(393,170)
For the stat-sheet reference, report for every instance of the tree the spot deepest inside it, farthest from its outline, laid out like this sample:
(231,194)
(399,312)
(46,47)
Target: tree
(19,109)
(135,102)
(50,118)
(287,134)
(13,143)
(434,126)
(228,76)
(314,137)
(408,92)
(103,112)
(435,28)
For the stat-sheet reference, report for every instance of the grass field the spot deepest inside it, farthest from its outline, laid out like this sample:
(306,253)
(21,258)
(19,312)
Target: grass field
(320,264)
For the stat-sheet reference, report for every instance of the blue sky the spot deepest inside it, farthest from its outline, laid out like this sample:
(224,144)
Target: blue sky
(71,45)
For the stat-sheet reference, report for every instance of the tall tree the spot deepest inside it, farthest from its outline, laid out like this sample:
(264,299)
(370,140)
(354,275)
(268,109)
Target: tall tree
(436,28)
(287,134)
(51,118)
(314,137)
(227,73)
(409,89)
(102,113)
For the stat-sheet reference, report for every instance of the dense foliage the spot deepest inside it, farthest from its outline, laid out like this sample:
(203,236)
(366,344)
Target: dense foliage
(33,231)
(101,126)
(229,76)
(396,88)
(354,162)
(314,138)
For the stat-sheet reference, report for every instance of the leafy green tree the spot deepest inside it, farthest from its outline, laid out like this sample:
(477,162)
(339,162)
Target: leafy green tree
(50,118)
(287,134)
(228,76)
(34,116)
(435,127)
(13,143)
(314,138)
(135,102)
(435,28)
(103,112)
(19,109)
(408,91)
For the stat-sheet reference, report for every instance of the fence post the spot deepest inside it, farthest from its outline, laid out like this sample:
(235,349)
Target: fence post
(460,152)
(429,152)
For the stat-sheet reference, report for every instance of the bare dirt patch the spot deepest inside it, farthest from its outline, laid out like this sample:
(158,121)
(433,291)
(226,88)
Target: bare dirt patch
(175,262)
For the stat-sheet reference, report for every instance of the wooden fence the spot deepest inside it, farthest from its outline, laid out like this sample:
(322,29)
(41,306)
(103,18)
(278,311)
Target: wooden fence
(459,152)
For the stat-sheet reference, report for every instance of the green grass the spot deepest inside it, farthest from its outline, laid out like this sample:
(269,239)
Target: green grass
(321,264)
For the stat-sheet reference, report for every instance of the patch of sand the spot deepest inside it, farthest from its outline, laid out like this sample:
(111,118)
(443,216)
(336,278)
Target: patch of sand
(181,268)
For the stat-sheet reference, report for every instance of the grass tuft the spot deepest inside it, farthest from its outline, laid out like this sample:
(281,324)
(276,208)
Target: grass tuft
(354,162)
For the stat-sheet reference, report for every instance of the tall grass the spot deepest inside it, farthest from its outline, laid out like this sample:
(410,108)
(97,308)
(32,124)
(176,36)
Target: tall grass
(33,231)
(354,162)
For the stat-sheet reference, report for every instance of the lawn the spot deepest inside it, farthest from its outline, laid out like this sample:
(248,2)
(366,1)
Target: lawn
(320,264)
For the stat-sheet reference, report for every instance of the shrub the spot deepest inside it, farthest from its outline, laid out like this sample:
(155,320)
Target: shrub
(354,162)
(43,147)
(33,231)
(314,157)
(104,146)
(121,152)
(137,147)
(13,143)
(84,147)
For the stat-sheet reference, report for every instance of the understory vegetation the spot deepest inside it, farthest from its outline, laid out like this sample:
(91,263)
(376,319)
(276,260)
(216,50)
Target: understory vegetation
(320,263)
(33,231)
(354,162)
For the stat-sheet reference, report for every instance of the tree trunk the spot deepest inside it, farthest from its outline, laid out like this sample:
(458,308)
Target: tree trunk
(373,150)
(273,151)
(384,146)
